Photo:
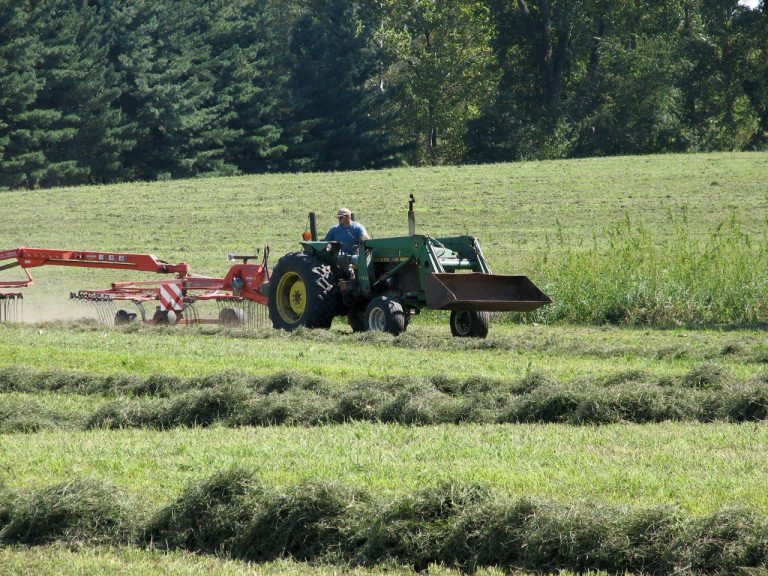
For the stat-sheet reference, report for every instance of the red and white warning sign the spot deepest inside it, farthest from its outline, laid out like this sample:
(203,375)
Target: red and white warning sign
(171,297)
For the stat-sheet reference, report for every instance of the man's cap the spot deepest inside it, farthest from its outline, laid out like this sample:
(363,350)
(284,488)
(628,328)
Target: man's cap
(344,212)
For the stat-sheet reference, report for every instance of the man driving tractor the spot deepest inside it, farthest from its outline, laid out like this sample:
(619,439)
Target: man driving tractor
(348,233)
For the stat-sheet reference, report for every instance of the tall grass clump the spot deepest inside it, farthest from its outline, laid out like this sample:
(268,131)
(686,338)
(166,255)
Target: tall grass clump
(636,279)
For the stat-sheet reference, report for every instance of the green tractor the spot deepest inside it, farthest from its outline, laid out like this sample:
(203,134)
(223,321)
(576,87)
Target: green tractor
(394,279)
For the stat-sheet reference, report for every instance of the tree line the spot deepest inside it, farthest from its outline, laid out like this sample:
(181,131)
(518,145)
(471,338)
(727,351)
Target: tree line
(102,91)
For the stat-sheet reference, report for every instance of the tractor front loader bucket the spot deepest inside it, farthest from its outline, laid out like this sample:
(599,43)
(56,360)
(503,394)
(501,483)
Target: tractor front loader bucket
(488,292)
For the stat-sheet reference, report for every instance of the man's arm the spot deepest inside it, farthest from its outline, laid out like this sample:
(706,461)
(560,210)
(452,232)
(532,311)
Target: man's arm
(363,232)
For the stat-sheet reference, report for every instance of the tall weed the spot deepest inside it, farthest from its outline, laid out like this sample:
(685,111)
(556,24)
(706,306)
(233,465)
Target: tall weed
(632,278)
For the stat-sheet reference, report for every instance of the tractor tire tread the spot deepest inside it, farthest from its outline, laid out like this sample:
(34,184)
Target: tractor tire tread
(469,323)
(393,315)
(322,291)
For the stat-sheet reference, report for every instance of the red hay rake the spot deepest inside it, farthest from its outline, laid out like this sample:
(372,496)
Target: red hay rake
(239,296)
(11,303)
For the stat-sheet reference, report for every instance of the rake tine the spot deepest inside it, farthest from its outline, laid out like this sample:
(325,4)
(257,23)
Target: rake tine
(257,316)
(250,315)
(140,308)
(102,310)
(97,309)
(193,316)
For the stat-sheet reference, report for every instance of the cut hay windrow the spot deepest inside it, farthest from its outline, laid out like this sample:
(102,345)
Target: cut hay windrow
(82,510)
(706,393)
(233,514)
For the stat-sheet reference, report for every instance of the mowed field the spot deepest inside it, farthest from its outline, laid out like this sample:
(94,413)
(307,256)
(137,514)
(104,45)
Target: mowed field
(637,446)
(519,212)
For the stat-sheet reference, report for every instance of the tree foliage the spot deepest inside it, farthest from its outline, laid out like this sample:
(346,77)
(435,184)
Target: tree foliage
(338,118)
(96,91)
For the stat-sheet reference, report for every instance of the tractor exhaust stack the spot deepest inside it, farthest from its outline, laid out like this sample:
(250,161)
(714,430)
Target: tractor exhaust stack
(411,217)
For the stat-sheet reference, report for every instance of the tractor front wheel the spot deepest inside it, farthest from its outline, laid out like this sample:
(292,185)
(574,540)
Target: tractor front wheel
(302,292)
(385,315)
(469,323)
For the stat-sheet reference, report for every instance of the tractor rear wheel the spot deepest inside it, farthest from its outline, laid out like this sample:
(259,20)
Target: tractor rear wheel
(302,292)
(469,323)
(385,315)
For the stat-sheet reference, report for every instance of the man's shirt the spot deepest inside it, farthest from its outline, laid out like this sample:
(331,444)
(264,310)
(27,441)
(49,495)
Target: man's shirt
(349,237)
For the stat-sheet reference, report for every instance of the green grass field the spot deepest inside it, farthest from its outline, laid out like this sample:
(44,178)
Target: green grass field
(688,301)
(562,352)
(699,468)
(59,561)
(522,214)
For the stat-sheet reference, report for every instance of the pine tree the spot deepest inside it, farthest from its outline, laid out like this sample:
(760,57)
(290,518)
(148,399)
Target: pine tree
(85,141)
(180,124)
(339,120)
(22,161)
(250,71)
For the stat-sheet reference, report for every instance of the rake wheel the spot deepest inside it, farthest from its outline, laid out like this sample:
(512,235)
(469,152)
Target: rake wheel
(231,316)
(123,317)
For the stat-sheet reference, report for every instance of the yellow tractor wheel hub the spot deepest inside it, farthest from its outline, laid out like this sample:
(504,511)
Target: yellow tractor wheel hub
(291,297)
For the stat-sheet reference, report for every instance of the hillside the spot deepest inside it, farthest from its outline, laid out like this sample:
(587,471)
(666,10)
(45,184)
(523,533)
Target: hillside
(519,211)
